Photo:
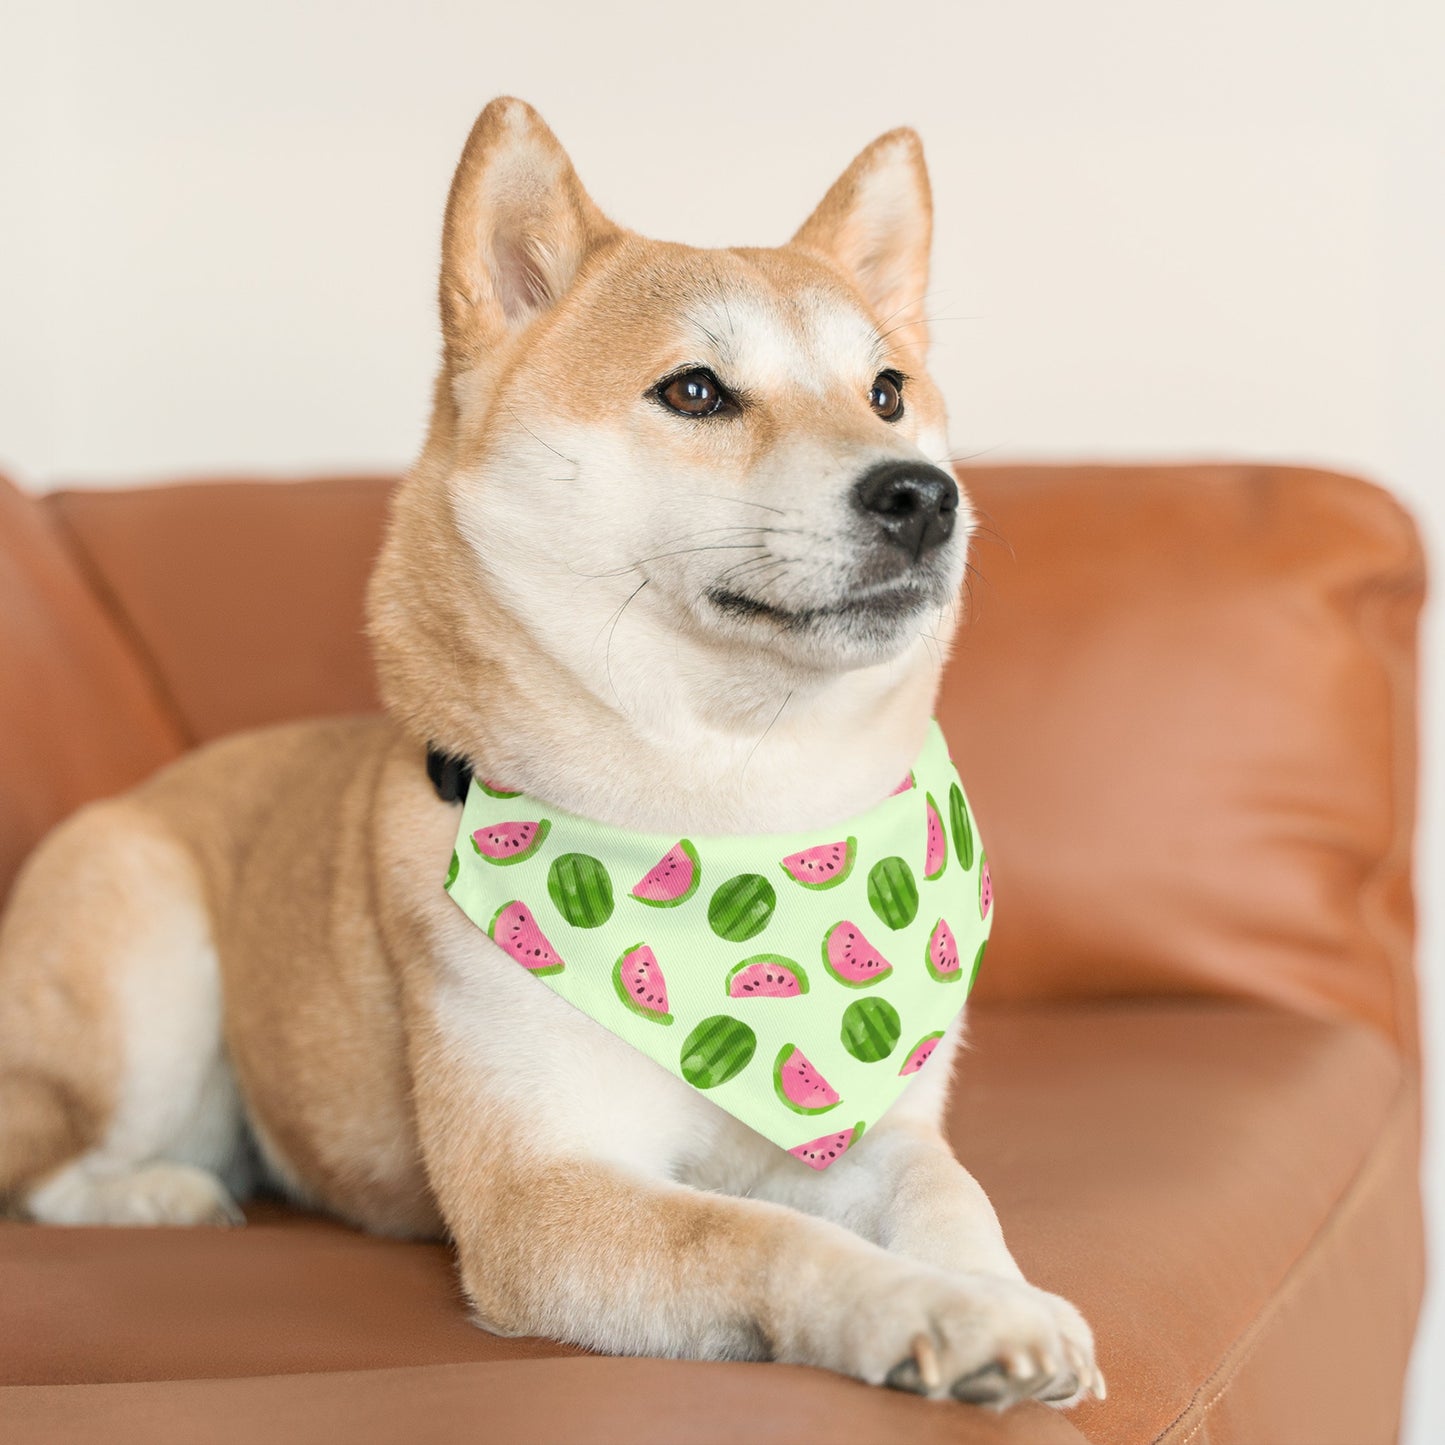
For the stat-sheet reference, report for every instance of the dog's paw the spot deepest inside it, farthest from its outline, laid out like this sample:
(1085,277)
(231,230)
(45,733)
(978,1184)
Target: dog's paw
(979,1338)
(159,1193)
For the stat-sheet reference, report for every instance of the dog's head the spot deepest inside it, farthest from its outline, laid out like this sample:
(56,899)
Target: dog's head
(648,456)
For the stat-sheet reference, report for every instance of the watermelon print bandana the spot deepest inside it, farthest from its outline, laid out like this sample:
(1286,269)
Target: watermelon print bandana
(799,981)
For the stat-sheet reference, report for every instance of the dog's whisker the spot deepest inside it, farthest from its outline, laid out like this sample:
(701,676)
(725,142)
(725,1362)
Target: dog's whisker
(928,637)
(990,530)
(802,582)
(959,458)
(746,502)
(738,568)
(761,577)
(907,306)
(607,655)
(748,528)
(658,556)
(571,461)
(927,320)
(766,731)
(689,551)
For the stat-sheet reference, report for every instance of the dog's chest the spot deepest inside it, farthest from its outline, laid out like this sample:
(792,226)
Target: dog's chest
(570,1085)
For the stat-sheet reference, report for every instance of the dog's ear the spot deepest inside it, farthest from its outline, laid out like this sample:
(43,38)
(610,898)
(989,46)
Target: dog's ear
(518,227)
(877,224)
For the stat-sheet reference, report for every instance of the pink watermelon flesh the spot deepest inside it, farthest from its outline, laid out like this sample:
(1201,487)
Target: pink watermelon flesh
(802,1085)
(641,976)
(764,980)
(669,878)
(852,957)
(516,931)
(903,787)
(985,891)
(820,1153)
(820,865)
(943,949)
(937,855)
(920,1055)
(505,840)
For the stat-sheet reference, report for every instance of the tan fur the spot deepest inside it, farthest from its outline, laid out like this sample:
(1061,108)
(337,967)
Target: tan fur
(263,922)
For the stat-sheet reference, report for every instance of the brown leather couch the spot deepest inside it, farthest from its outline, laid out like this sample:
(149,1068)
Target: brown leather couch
(1185,707)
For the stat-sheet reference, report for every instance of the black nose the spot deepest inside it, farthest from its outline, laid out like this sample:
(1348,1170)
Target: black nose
(915,504)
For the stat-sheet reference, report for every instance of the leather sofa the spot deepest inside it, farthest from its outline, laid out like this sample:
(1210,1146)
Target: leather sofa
(1185,705)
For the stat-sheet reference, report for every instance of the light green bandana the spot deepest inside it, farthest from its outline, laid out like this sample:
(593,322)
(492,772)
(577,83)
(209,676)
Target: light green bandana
(799,980)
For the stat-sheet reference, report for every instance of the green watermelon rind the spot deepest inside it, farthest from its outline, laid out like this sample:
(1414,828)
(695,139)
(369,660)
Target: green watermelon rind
(593,886)
(961,826)
(934,972)
(782,1093)
(726,896)
(651,1015)
(736,1039)
(838,977)
(858,1039)
(977,964)
(692,887)
(453,869)
(931,810)
(544,826)
(773,960)
(492,792)
(882,893)
(557,967)
(851,852)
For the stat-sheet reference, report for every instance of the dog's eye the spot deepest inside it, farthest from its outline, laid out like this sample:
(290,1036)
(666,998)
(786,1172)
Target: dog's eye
(694,393)
(886,398)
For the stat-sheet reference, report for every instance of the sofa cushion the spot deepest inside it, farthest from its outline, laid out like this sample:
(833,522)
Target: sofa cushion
(79,716)
(1188,1173)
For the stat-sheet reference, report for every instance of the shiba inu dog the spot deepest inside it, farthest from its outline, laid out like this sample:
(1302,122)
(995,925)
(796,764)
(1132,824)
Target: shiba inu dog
(676,555)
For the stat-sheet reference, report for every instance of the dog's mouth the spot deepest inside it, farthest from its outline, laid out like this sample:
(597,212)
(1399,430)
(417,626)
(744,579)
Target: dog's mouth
(893,602)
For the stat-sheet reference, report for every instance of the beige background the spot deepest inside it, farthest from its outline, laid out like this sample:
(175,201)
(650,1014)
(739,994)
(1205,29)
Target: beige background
(1164,229)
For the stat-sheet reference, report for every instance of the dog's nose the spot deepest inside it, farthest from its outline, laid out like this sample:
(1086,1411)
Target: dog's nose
(915,504)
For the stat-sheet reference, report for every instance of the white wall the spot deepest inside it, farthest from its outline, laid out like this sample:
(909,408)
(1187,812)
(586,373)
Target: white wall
(1164,229)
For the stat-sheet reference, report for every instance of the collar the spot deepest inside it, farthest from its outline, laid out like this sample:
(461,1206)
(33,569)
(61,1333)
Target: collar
(450,774)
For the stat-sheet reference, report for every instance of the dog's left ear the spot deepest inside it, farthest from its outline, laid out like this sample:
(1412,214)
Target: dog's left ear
(877,224)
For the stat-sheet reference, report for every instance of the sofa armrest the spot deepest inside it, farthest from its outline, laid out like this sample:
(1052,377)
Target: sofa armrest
(80,716)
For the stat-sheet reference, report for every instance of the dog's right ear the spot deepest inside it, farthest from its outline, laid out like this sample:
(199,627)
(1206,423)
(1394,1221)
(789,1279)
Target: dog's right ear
(518,227)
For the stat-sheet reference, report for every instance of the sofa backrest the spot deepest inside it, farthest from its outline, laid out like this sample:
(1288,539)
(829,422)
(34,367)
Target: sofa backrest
(245,597)
(1183,703)
(1185,707)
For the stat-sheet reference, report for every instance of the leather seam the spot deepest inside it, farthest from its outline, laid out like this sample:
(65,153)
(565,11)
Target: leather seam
(1401,684)
(1299,1273)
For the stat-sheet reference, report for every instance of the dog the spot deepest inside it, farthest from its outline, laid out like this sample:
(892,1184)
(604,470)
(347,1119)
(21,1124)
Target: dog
(637,571)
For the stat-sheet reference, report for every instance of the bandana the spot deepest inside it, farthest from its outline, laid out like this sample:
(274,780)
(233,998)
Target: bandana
(798,980)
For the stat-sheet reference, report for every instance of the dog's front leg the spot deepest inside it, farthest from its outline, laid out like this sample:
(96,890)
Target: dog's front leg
(615,1257)
(906,1192)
